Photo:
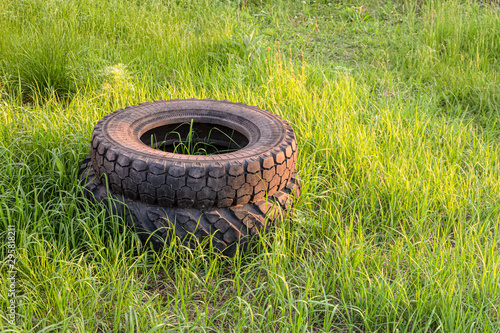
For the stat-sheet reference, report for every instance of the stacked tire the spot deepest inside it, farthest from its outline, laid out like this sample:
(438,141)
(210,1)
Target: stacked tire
(224,199)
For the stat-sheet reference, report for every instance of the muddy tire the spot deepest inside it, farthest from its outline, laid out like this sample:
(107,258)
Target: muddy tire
(229,226)
(123,151)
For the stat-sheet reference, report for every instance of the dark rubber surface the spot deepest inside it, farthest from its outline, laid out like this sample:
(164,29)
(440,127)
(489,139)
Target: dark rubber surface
(263,167)
(230,226)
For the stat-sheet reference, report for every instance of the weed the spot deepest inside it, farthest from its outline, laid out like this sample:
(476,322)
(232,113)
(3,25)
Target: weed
(192,143)
(117,87)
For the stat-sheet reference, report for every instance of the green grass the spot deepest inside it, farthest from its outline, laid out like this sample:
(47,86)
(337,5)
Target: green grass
(395,109)
(192,142)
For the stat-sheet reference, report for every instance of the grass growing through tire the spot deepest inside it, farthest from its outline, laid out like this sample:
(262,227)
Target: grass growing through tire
(193,144)
(397,229)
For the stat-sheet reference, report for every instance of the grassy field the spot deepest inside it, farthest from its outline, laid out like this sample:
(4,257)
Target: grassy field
(395,105)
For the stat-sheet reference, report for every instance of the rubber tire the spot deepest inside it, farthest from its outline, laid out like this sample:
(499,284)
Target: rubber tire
(133,169)
(229,226)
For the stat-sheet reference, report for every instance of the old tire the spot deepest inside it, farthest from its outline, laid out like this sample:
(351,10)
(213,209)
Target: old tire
(121,151)
(229,226)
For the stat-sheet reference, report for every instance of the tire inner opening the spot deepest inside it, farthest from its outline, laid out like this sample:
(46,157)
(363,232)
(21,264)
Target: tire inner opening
(194,138)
